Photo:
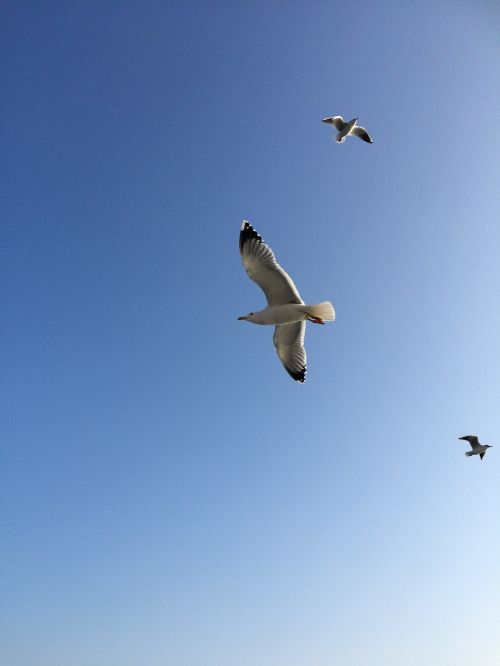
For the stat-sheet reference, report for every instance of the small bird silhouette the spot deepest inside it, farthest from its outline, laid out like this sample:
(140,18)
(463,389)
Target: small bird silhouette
(347,128)
(477,448)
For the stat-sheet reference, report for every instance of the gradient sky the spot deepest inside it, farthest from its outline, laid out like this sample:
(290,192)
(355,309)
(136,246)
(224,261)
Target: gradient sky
(169,496)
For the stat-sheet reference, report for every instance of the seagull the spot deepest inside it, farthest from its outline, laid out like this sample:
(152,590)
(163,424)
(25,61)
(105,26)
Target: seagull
(477,448)
(285,308)
(348,128)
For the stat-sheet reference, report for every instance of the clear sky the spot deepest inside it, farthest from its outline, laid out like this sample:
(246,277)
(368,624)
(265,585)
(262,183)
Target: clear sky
(169,496)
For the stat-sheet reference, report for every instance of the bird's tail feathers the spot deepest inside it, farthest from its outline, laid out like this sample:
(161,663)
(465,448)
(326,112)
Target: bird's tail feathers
(322,310)
(469,453)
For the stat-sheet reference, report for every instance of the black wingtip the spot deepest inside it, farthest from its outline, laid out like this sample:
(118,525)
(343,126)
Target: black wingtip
(247,233)
(299,376)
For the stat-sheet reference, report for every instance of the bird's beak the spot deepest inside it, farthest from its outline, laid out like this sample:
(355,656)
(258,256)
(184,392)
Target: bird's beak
(242,318)
(326,120)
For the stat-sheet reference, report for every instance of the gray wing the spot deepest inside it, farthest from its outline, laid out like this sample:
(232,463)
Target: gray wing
(261,265)
(289,342)
(361,133)
(472,439)
(337,121)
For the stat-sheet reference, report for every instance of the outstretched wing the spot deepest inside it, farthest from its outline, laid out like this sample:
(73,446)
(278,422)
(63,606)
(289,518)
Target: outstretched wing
(472,439)
(481,455)
(337,121)
(289,342)
(361,133)
(261,265)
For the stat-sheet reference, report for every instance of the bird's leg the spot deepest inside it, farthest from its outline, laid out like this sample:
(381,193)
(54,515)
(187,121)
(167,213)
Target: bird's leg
(315,320)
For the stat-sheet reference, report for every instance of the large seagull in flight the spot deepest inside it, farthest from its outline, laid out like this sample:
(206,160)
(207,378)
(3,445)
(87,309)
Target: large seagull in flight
(285,308)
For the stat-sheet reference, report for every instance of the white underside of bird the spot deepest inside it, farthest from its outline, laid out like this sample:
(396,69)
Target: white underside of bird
(347,128)
(285,308)
(291,313)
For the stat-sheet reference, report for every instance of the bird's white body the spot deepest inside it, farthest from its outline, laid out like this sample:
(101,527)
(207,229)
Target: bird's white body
(477,452)
(290,313)
(341,136)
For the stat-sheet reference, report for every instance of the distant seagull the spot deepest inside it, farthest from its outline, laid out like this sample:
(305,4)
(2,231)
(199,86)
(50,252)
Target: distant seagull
(348,128)
(477,448)
(285,308)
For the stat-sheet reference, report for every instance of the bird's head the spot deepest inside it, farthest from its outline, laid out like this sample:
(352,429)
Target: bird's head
(328,120)
(249,317)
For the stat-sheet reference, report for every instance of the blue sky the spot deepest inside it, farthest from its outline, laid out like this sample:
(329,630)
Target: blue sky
(169,495)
